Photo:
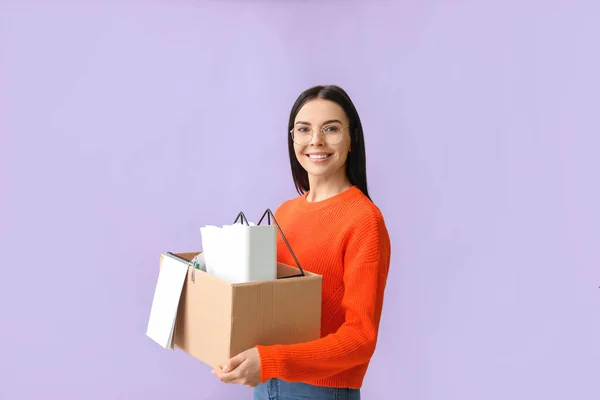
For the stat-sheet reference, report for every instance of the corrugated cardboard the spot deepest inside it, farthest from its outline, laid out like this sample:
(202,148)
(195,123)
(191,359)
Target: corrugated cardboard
(217,320)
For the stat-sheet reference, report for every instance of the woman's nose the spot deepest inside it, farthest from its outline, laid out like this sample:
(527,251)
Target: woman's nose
(317,139)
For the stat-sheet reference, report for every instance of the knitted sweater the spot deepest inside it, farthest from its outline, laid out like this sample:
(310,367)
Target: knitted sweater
(344,239)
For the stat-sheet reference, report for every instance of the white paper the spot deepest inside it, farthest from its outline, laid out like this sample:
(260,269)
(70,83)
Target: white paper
(211,248)
(166,301)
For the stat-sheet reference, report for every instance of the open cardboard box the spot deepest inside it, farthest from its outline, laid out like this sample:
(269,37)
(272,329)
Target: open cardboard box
(217,320)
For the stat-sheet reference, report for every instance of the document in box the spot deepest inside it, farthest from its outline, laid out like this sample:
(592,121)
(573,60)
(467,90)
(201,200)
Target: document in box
(166,301)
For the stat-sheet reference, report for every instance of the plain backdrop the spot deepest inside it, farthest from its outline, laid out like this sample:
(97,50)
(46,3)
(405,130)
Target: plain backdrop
(127,125)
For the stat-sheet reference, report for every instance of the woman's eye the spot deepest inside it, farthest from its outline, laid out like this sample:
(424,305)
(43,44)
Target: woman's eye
(302,129)
(332,129)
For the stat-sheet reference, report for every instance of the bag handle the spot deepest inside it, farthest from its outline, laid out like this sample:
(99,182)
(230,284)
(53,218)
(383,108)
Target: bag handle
(269,214)
(244,220)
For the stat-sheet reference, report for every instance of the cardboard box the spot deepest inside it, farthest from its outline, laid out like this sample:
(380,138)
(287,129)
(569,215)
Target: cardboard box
(217,320)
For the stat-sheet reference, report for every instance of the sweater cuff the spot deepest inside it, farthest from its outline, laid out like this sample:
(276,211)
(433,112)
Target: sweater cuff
(271,361)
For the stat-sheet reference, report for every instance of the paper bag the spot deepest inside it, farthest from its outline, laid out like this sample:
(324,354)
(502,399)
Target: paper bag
(242,252)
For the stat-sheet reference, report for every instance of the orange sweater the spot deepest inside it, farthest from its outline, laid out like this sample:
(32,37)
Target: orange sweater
(345,240)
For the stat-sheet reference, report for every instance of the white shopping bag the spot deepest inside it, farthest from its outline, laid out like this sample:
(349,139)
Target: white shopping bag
(242,252)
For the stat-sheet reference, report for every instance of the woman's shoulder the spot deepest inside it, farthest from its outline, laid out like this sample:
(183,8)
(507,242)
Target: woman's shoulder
(287,205)
(365,227)
(363,208)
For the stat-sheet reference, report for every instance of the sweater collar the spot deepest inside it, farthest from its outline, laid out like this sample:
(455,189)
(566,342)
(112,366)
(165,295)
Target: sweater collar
(339,198)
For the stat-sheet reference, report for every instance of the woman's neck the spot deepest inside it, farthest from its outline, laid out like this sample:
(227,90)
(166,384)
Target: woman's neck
(322,188)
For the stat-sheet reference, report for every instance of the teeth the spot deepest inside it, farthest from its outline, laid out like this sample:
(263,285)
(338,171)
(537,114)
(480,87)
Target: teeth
(318,156)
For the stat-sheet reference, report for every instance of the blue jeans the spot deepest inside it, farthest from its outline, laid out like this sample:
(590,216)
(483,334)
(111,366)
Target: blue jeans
(277,389)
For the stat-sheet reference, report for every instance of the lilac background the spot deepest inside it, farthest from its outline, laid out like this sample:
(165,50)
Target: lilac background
(120,120)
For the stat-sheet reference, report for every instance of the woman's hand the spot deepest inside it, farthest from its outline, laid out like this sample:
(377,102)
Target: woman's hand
(243,369)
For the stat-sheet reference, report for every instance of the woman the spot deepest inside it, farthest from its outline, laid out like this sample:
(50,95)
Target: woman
(336,231)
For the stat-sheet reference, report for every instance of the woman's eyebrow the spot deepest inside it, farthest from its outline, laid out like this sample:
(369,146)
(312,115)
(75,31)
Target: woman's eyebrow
(329,121)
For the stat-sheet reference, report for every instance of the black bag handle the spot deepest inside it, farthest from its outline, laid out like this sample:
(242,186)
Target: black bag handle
(244,220)
(269,214)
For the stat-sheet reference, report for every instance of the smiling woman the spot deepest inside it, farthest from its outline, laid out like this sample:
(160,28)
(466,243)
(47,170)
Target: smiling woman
(321,144)
(336,153)
(336,231)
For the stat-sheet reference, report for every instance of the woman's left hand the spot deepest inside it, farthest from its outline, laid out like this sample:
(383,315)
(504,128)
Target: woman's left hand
(243,369)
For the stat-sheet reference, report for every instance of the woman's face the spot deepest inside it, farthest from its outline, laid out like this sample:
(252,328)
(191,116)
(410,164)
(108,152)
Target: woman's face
(325,152)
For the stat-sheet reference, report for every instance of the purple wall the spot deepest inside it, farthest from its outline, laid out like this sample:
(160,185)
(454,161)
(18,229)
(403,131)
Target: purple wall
(483,134)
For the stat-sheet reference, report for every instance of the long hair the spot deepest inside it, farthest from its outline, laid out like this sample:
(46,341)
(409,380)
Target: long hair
(356,170)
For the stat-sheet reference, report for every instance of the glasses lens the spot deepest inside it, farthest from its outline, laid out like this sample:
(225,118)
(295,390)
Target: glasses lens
(301,135)
(332,133)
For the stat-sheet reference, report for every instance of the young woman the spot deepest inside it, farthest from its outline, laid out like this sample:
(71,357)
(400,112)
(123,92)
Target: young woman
(336,231)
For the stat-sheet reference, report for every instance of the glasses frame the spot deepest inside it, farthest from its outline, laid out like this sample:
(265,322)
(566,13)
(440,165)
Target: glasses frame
(312,135)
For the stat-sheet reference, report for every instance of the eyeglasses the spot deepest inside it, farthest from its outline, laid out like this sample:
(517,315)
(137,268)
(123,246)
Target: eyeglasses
(331,134)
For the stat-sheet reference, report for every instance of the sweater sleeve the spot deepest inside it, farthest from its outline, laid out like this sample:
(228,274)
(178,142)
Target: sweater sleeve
(366,264)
